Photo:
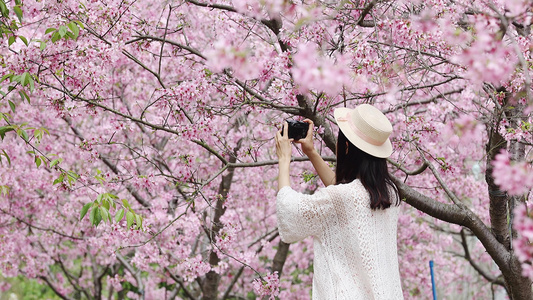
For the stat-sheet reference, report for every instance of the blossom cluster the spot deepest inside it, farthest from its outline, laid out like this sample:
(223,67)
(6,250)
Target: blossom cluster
(514,177)
(267,286)
(523,224)
(313,71)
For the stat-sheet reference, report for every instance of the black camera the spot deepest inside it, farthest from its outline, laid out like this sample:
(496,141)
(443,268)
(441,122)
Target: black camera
(297,129)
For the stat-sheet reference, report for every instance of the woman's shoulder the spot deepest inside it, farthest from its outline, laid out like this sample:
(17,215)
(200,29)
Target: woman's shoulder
(349,190)
(355,184)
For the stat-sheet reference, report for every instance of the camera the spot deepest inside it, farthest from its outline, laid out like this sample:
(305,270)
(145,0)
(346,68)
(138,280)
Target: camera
(297,129)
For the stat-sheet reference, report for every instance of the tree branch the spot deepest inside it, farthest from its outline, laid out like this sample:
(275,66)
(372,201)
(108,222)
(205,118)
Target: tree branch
(181,284)
(135,273)
(212,278)
(421,102)
(489,277)
(54,289)
(208,5)
(38,227)
(443,184)
(110,165)
(163,41)
(364,13)
(453,214)
(421,169)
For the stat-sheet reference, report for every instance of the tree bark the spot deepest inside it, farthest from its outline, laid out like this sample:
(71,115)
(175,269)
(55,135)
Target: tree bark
(212,279)
(498,209)
(280,257)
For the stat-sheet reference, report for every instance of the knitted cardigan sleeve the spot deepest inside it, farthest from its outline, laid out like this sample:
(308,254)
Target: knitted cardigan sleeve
(301,215)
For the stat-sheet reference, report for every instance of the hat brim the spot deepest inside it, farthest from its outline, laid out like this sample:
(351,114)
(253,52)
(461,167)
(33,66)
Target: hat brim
(381,151)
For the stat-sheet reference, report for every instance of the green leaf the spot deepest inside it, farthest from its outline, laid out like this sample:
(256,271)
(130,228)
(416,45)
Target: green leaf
(24,135)
(100,179)
(92,216)
(129,219)
(125,203)
(74,28)
(10,75)
(72,177)
(23,78)
(12,105)
(85,209)
(38,161)
(119,215)
(49,30)
(5,129)
(42,45)
(26,95)
(32,87)
(26,79)
(98,218)
(138,220)
(4,9)
(55,162)
(95,216)
(7,156)
(105,203)
(55,36)
(18,12)
(104,213)
(11,40)
(4,190)
(24,40)
(5,116)
(38,135)
(80,24)
(62,31)
(59,179)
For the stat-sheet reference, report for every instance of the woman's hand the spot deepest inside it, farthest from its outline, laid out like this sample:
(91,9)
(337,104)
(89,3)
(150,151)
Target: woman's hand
(307,143)
(283,144)
(284,152)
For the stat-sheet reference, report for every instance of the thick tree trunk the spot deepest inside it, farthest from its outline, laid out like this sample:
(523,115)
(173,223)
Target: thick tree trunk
(518,286)
(499,201)
(212,279)
(280,257)
(501,204)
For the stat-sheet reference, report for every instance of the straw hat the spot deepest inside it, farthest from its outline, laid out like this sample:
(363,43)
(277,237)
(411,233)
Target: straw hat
(367,128)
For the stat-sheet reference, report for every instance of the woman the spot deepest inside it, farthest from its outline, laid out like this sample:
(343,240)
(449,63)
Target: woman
(354,219)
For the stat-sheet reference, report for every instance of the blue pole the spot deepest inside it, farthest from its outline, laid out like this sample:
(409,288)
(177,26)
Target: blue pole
(433,280)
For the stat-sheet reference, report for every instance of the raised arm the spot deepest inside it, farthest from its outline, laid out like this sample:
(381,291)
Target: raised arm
(284,151)
(325,173)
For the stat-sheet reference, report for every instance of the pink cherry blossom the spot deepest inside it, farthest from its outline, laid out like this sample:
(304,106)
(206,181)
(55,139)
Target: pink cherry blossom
(515,178)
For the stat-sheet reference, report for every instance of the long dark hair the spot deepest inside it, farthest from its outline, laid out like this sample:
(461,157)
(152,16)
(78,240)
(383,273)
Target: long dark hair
(371,170)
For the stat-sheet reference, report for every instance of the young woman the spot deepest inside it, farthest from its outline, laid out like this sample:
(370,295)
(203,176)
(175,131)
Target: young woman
(354,218)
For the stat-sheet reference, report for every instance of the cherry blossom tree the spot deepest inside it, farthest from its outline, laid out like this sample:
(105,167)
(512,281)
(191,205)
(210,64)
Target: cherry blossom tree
(137,158)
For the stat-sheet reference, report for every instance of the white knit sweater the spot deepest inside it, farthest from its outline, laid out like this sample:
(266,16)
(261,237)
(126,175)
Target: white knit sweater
(355,246)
